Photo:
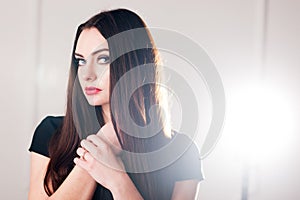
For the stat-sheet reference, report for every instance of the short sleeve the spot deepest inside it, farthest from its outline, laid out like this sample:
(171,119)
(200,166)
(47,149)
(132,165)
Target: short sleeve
(43,134)
(188,165)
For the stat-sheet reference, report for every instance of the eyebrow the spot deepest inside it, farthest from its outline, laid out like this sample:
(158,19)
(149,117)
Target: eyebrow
(93,53)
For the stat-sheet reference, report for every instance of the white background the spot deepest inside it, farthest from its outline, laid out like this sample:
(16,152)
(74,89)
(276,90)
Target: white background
(248,40)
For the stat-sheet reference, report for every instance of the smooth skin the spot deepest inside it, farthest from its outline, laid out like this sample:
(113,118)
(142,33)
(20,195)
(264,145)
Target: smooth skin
(98,158)
(78,185)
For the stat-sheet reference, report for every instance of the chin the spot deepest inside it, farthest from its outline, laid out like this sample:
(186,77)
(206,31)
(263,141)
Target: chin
(94,102)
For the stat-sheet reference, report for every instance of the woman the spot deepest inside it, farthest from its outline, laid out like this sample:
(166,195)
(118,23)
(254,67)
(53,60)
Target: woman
(107,166)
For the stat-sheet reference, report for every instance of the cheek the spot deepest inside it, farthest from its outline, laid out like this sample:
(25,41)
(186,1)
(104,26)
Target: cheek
(106,78)
(79,76)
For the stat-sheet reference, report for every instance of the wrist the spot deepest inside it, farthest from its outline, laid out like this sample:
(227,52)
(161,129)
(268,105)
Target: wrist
(84,175)
(124,187)
(120,180)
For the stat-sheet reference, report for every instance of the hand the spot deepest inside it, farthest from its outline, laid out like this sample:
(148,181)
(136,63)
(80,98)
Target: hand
(99,157)
(108,133)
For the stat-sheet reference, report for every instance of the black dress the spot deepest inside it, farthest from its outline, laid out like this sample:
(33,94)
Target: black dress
(186,167)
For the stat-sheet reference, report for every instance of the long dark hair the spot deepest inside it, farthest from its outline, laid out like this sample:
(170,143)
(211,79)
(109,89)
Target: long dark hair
(82,119)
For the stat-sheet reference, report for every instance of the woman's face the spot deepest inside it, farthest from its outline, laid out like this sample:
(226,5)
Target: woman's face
(93,66)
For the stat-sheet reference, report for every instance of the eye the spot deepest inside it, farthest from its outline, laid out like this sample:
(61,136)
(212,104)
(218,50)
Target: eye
(103,59)
(80,61)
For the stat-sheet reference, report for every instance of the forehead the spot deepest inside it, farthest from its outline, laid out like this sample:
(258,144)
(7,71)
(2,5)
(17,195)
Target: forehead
(90,40)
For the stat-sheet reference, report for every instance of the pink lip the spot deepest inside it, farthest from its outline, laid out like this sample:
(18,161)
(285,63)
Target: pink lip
(92,90)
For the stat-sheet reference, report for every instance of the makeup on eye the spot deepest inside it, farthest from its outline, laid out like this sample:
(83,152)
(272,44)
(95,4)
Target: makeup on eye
(93,53)
(101,59)
(80,61)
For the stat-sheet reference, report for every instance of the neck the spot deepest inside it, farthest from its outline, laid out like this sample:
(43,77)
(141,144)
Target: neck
(106,113)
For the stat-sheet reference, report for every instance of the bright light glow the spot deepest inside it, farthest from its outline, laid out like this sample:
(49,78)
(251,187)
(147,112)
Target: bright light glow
(260,123)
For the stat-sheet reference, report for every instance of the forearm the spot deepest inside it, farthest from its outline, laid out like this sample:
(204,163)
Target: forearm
(124,188)
(78,185)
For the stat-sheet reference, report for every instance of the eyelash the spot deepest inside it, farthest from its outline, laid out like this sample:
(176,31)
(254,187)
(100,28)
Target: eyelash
(78,60)
(105,57)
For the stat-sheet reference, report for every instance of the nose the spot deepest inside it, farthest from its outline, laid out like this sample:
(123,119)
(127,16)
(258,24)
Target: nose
(90,73)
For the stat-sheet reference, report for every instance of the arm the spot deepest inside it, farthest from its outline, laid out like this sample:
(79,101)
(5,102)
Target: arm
(125,188)
(185,190)
(78,185)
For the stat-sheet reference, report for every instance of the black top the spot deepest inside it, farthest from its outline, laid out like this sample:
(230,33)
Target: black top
(187,166)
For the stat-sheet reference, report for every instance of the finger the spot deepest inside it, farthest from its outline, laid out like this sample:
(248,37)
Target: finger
(88,162)
(88,157)
(88,145)
(81,163)
(95,151)
(99,142)
(95,139)
(80,151)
